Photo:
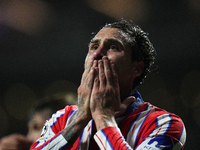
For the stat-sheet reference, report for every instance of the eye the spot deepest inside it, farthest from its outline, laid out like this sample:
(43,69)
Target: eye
(94,46)
(114,47)
(37,127)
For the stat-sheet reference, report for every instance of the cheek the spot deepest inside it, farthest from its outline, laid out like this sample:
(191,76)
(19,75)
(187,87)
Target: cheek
(119,60)
(33,135)
(36,135)
(123,65)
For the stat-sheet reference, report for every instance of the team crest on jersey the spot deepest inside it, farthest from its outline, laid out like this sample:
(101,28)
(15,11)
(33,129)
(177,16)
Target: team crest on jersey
(44,130)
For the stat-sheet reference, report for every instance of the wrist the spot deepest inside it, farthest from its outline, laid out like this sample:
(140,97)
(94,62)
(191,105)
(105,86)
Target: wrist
(74,129)
(103,121)
(82,117)
(82,120)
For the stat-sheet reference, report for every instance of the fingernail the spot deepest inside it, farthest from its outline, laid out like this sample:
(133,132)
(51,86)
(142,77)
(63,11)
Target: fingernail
(133,98)
(95,62)
(112,63)
(100,62)
(105,58)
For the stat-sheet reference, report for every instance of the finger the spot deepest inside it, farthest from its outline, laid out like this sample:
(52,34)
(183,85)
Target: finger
(114,74)
(90,78)
(96,78)
(124,105)
(107,70)
(95,63)
(86,74)
(101,73)
(88,66)
(88,62)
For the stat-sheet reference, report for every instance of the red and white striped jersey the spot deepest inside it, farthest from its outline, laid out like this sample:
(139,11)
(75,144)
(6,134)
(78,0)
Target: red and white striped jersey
(142,127)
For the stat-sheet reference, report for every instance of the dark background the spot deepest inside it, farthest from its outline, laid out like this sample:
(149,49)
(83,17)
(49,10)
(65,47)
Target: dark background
(43,45)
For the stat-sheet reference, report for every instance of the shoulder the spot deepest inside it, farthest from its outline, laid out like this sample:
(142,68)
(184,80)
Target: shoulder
(163,123)
(162,117)
(151,121)
(59,119)
(66,111)
(71,107)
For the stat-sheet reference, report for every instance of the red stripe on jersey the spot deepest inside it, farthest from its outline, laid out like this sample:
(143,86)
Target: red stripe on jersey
(34,145)
(101,142)
(60,121)
(149,124)
(128,121)
(176,128)
(76,144)
(115,138)
(132,133)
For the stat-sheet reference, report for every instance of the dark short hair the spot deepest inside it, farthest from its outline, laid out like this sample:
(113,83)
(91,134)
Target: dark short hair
(46,107)
(142,48)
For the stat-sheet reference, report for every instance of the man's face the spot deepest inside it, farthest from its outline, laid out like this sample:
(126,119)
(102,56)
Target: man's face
(112,42)
(36,124)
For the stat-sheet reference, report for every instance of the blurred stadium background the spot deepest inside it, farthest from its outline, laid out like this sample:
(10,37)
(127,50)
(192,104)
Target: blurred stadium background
(43,44)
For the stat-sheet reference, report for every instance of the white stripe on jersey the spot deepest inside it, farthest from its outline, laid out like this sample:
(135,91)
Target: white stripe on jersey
(55,116)
(127,145)
(86,136)
(163,122)
(163,119)
(71,117)
(136,126)
(57,143)
(102,141)
(181,141)
(183,135)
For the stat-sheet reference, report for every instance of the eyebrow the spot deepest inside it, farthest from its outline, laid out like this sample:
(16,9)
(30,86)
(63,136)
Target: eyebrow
(95,41)
(107,40)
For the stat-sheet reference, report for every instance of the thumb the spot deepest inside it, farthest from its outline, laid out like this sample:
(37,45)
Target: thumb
(124,105)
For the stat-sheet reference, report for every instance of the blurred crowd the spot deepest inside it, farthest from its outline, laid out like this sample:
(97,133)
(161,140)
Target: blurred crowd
(31,112)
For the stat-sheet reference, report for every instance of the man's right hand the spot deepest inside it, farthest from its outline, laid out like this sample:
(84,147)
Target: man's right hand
(73,131)
(85,90)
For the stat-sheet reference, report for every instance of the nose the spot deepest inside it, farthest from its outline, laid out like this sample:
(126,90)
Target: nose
(100,52)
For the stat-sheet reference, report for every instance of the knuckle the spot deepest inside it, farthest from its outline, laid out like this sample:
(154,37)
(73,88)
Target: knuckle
(109,90)
(115,76)
(108,72)
(79,89)
(96,80)
(102,76)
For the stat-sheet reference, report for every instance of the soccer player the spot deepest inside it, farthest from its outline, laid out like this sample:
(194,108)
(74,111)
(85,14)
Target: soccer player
(110,114)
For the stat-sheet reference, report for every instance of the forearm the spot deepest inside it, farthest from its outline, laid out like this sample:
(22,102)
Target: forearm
(65,138)
(74,130)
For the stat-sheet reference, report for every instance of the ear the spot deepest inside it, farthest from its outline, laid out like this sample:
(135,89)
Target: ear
(137,68)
